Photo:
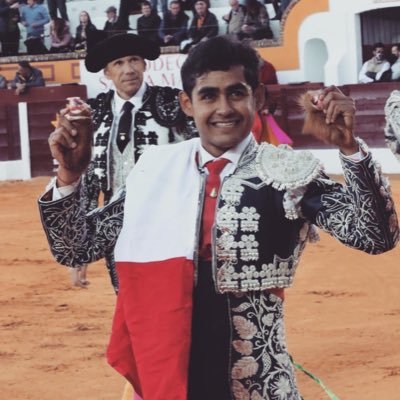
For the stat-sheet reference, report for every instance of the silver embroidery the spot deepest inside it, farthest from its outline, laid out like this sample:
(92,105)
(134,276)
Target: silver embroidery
(249,219)
(232,191)
(284,168)
(227,219)
(261,367)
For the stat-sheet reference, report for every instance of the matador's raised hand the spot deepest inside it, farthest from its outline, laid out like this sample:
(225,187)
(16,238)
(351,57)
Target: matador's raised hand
(71,142)
(329,116)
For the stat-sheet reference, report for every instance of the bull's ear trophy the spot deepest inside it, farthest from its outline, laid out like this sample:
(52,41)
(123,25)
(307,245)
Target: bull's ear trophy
(314,120)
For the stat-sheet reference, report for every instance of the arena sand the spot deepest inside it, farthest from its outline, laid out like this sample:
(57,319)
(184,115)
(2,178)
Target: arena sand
(343,316)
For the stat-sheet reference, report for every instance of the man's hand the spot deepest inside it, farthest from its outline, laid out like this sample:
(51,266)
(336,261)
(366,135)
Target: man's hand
(20,88)
(329,116)
(70,144)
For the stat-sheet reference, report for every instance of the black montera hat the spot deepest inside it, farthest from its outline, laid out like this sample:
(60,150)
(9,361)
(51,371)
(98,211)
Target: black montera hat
(117,46)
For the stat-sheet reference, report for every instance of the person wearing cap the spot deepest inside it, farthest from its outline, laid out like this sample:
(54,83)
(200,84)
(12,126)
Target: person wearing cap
(154,112)
(113,24)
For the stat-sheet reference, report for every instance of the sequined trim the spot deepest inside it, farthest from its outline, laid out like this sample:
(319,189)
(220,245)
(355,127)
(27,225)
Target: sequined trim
(284,168)
(261,367)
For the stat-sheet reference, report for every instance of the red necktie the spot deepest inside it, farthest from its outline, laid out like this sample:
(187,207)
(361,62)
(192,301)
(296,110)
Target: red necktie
(211,193)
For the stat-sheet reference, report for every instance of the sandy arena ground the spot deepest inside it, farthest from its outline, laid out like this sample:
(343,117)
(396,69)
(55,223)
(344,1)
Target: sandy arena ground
(343,317)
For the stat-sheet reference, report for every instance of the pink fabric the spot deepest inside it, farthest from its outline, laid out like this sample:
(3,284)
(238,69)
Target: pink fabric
(280,135)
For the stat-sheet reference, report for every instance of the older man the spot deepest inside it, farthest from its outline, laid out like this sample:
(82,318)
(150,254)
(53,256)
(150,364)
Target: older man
(128,118)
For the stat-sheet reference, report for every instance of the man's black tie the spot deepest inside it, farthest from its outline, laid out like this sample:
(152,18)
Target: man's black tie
(124,126)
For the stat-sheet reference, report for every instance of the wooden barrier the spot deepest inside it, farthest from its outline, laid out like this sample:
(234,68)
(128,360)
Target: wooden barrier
(42,106)
(44,102)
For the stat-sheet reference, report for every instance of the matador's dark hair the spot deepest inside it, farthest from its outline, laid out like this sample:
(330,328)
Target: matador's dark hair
(219,54)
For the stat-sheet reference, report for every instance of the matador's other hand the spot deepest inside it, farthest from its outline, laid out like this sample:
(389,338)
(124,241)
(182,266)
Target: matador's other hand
(329,116)
(70,144)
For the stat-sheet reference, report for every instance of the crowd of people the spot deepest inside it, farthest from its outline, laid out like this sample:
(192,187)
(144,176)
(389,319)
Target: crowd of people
(178,22)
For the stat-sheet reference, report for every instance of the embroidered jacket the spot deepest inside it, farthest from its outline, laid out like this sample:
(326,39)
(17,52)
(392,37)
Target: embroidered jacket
(265,214)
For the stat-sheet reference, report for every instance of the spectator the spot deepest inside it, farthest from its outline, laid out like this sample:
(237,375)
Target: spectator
(396,65)
(60,36)
(34,17)
(235,17)
(149,23)
(9,30)
(83,30)
(377,68)
(3,82)
(113,24)
(256,22)
(393,54)
(53,5)
(26,77)
(204,25)
(173,28)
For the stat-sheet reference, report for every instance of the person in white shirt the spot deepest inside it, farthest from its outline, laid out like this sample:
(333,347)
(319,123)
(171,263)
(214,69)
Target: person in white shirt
(376,69)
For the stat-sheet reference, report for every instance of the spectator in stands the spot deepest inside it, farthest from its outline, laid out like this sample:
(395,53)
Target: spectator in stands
(53,5)
(3,82)
(392,58)
(9,30)
(113,24)
(34,17)
(396,65)
(235,17)
(26,77)
(60,36)
(83,30)
(149,23)
(204,25)
(377,68)
(256,22)
(173,28)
